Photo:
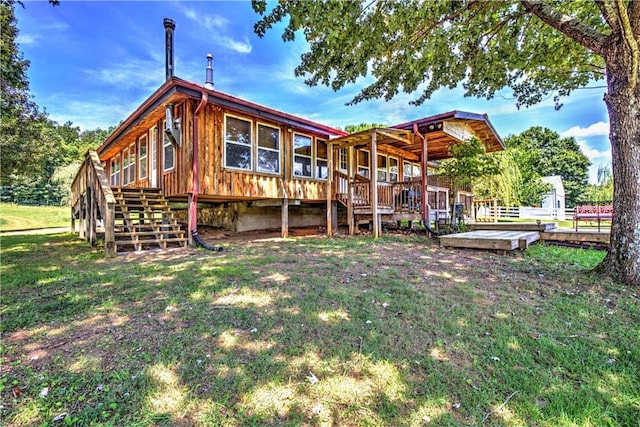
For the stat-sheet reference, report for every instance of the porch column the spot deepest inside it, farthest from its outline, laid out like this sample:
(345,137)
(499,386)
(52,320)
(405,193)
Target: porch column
(284,218)
(350,177)
(330,189)
(374,185)
(423,181)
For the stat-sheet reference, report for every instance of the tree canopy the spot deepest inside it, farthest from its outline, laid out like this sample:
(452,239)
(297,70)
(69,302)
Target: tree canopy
(536,48)
(542,152)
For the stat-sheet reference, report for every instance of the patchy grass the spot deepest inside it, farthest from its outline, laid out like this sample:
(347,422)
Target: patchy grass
(313,331)
(18,217)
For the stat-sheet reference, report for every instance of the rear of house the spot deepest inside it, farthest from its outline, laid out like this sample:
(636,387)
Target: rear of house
(192,154)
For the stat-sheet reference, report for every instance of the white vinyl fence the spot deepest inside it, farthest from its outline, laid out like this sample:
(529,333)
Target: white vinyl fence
(527,212)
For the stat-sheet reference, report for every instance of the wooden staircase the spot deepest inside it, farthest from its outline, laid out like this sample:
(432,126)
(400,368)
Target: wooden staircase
(143,220)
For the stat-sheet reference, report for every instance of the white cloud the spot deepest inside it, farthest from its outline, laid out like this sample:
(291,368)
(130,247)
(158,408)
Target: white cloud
(131,73)
(593,153)
(215,27)
(26,38)
(238,46)
(596,157)
(596,129)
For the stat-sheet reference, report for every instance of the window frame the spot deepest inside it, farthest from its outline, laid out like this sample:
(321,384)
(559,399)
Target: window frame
(389,167)
(166,142)
(382,170)
(319,159)
(143,160)
(133,153)
(310,156)
(250,144)
(115,175)
(256,167)
(125,166)
(368,168)
(343,160)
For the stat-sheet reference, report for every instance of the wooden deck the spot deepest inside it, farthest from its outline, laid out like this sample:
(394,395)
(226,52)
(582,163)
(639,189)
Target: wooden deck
(513,226)
(502,240)
(582,236)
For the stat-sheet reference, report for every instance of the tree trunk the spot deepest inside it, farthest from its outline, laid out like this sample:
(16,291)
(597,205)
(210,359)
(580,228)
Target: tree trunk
(623,103)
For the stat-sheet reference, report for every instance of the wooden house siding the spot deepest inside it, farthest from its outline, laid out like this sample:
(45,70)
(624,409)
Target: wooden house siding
(218,183)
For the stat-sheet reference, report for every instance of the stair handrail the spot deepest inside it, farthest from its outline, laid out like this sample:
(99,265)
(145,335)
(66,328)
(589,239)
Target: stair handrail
(92,175)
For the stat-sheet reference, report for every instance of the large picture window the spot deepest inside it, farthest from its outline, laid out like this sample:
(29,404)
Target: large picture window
(268,149)
(142,157)
(302,155)
(321,159)
(237,143)
(168,151)
(115,171)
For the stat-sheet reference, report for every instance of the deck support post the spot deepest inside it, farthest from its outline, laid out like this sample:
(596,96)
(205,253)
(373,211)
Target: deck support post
(190,219)
(330,224)
(285,218)
(350,177)
(374,185)
(91,214)
(109,229)
(82,212)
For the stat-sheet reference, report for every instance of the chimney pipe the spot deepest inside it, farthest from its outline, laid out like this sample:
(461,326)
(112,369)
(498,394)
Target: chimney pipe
(169,26)
(208,84)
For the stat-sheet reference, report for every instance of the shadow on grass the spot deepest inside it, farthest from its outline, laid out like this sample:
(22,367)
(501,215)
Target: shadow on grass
(312,331)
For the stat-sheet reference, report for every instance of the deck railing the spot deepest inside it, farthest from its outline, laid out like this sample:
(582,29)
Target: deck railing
(92,199)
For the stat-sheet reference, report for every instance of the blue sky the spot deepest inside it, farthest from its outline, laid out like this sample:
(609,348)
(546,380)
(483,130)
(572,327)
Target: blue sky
(93,63)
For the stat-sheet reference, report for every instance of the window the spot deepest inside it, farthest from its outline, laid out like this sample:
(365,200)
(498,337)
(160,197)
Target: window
(125,166)
(115,171)
(168,151)
(382,168)
(237,138)
(343,159)
(142,158)
(363,163)
(268,149)
(321,159)
(132,163)
(393,169)
(301,155)
(410,171)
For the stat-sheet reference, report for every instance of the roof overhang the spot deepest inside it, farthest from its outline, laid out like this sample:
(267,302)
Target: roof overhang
(176,90)
(444,130)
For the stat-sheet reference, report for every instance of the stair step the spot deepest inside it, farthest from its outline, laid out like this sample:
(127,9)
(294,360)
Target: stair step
(146,233)
(150,241)
(144,219)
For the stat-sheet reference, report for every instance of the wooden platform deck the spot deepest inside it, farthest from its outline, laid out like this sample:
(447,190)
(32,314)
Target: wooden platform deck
(501,240)
(582,236)
(513,226)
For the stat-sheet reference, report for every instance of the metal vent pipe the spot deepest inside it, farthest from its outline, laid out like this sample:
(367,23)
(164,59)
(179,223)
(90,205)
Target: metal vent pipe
(169,26)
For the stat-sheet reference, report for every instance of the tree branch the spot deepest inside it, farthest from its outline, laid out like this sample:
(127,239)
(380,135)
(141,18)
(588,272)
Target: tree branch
(608,11)
(629,37)
(571,27)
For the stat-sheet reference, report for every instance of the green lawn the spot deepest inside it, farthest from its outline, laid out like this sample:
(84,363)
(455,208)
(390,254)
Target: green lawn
(17,217)
(314,331)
